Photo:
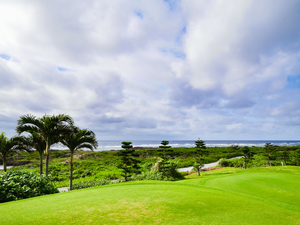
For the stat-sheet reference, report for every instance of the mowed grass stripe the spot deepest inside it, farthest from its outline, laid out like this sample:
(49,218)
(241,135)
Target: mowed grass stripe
(231,198)
(277,188)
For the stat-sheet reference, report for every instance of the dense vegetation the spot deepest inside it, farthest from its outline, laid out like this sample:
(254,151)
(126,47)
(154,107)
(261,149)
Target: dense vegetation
(15,185)
(93,166)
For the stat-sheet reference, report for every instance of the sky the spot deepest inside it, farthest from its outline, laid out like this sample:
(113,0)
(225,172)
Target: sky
(154,70)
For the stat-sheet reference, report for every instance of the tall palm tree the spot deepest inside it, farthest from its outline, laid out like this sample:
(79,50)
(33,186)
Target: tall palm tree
(50,128)
(269,148)
(248,155)
(78,140)
(35,141)
(8,145)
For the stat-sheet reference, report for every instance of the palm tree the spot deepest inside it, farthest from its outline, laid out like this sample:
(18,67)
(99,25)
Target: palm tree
(50,128)
(197,168)
(8,145)
(35,141)
(246,151)
(269,148)
(77,140)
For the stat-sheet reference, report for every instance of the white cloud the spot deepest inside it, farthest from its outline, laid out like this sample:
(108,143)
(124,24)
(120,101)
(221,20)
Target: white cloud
(145,69)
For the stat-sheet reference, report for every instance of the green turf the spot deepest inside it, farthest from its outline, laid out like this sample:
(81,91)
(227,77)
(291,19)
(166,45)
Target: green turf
(227,196)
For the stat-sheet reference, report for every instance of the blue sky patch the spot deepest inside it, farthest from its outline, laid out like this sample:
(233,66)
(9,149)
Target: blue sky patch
(181,34)
(177,54)
(172,4)
(6,57)
(139,14)
(61,69)
(294,82)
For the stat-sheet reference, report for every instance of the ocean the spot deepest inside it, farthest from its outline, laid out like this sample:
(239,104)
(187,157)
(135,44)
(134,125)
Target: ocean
(105,145)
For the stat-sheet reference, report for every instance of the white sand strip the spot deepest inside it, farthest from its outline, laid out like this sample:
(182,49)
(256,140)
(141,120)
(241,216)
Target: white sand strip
(206,166)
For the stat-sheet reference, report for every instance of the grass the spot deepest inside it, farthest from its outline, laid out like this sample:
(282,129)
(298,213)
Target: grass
(226,196)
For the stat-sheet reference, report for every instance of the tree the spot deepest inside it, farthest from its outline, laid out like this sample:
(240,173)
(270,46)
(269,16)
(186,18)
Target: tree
(200,149)
(200,152)
(284,155)
(197,168)
(127,164)
(126,145)
(269,148)
(78,140)
(164,149)
(35,141)
(247,155)
(50,128)
(8,145)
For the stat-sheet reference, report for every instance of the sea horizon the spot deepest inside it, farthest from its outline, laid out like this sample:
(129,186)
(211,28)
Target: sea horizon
(106,145)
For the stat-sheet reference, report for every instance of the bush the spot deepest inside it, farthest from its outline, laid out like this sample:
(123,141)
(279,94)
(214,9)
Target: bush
(259,161)
(94,183)
(237,163)
(162,170)
(18,184)
(223,162)
(148,175)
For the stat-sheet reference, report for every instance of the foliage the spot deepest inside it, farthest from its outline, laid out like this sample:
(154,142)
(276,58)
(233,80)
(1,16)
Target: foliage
(127,164)
(295,157)
(126,145)
(269,148)
(248,155)
(36,142)
(256,161)
(168,169)
(103,164)
(283,155)
(8,145)
(200,150)
(49,127)
(148,175)
(94,183)
(164,152)
(77,140)
(197,168)
(223,162)
(15,185)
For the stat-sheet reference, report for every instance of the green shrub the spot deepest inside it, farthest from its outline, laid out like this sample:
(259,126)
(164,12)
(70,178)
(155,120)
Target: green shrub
(162,170)
(258,161)
(93,183)
(148,175)
(15,185)
(223,162)
(236,162)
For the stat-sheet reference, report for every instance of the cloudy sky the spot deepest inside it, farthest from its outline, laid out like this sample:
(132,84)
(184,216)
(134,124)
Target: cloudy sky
(159,69)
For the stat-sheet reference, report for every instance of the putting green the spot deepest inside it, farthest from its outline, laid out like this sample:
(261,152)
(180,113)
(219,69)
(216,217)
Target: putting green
(246,197)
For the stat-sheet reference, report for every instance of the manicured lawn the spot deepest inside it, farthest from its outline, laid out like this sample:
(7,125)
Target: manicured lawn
(227,196)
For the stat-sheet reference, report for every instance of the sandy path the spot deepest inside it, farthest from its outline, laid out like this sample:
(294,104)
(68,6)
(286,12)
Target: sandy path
(188,169)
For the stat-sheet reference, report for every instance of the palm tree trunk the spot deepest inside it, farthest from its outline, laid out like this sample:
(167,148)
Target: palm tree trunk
(46,165)
(71,172)
(4,163)
(268,158)
(47,153)
(41,163)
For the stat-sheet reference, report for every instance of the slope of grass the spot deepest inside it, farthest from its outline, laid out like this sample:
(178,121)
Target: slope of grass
(227,196)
